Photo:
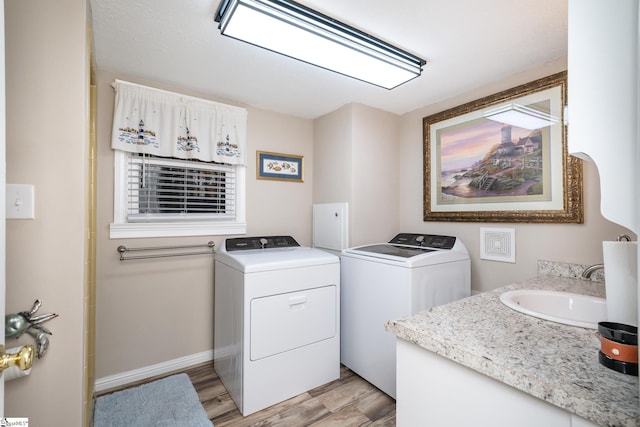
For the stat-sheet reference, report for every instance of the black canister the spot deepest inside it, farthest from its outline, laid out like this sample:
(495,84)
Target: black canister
(619,347)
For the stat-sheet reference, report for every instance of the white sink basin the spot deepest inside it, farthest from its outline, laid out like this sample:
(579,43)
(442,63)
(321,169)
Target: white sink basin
(561,307)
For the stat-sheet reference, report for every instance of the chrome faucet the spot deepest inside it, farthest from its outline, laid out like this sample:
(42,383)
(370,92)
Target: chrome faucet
(586,274)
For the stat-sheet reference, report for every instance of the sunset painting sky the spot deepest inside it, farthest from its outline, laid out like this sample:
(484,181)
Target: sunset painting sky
(461,146)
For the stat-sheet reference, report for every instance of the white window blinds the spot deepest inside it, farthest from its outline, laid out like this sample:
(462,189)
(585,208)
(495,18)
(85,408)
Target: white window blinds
(161,189)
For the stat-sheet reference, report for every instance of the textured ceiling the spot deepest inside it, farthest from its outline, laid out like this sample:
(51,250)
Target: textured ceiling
(466,43)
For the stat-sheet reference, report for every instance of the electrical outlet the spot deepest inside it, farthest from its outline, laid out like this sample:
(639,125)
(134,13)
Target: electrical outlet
(20,201)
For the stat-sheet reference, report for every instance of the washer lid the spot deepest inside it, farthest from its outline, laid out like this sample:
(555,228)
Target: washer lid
(412,250)
(395,250)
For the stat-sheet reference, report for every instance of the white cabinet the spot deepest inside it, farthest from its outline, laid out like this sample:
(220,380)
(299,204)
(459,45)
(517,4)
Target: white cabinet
(603,98)
(435,391)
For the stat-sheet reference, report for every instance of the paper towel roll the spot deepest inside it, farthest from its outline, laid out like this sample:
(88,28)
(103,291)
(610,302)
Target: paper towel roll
(13,372)
(621,281)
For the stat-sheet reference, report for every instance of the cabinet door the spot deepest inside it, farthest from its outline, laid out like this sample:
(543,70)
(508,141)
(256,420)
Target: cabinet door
(434,391)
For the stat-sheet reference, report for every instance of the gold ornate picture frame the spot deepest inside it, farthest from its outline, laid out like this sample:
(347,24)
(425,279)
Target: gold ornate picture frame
(482,170)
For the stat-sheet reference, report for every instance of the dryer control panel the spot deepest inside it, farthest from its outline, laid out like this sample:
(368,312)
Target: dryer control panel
(424,240)
(265,242)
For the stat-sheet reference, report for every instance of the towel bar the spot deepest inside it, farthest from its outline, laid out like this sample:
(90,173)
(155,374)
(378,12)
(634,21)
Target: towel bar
(123,249)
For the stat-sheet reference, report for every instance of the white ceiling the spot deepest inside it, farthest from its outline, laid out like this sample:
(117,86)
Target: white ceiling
(466,43)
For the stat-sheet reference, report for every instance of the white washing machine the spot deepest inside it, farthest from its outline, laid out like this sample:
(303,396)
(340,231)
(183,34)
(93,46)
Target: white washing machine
(277,319)
(385,281)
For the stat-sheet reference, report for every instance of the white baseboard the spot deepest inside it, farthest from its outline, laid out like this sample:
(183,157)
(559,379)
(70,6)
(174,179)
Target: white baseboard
(124,378)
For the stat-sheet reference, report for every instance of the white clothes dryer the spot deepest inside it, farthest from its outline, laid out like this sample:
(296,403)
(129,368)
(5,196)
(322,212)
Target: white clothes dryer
(277,319)
(385,281)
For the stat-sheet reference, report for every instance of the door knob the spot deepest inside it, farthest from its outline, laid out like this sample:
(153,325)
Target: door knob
(22,359)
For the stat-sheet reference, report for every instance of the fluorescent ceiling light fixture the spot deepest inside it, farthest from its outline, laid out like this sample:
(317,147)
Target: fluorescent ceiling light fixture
(296,31)
(521,116)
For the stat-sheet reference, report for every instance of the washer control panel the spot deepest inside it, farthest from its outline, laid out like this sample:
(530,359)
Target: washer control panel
(260,242)
(424,240)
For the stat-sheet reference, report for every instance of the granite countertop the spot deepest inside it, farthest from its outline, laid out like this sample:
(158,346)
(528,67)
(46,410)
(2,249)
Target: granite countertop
(554,362)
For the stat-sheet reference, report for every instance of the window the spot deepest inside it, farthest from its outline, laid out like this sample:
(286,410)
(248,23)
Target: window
(159,197)
(176,190)
(179,164)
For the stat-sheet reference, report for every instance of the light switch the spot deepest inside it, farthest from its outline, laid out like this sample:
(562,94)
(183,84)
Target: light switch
(20,201)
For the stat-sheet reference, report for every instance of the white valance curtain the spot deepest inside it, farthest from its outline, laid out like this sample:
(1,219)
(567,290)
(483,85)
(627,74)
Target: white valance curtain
(168,124)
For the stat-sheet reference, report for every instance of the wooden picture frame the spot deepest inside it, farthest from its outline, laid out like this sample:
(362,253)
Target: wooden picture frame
(533,179)
(279,167)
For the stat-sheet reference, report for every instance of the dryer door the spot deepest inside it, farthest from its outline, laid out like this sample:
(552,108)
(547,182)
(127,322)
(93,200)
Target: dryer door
(288,321)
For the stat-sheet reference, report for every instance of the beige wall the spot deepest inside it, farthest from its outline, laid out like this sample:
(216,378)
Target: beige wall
(277,207)
(573,243)
(153,311)
(374,212)
(46,146)
(356,158)
(332,156)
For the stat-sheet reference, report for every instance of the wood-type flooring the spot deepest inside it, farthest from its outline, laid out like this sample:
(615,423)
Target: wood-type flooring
(348,401)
